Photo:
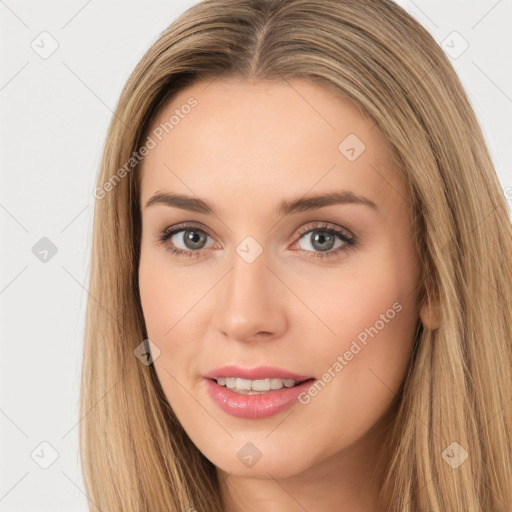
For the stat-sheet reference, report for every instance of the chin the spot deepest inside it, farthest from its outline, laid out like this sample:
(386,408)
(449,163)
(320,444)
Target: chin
(278,465)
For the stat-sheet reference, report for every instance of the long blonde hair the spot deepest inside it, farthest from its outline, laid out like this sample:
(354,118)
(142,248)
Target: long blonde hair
(135,454)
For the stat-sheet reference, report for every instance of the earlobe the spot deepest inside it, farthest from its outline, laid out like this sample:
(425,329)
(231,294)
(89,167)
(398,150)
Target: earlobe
(430,315)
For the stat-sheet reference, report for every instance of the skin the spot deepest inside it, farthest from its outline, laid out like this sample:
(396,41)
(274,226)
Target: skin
(244,148)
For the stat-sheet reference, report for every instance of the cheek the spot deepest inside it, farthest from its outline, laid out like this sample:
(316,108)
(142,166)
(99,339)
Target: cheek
(165,303)
(165,294)
(156,295)
(362,366)
(171,300)
(372,329)
(366,295)
(374,319)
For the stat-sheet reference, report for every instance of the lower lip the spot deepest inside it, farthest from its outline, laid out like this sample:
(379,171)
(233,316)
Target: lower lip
(255,406)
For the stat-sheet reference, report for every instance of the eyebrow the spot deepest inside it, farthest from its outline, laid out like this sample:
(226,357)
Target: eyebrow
(302,204)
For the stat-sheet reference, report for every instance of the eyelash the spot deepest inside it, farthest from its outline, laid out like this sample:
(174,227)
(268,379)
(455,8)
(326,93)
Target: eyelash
(348,240)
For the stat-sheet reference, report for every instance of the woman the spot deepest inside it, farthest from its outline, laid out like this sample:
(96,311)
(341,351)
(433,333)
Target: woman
(301,279)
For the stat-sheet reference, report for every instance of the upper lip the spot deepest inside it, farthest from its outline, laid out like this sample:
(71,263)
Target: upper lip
(260,372)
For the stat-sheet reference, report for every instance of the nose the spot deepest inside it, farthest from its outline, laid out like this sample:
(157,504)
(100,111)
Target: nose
(251,302)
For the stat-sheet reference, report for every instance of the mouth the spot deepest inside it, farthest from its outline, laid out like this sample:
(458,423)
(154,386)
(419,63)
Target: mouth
(255,399)
(258,386)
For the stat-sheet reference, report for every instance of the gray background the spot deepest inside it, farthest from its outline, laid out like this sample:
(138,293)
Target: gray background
(54,114)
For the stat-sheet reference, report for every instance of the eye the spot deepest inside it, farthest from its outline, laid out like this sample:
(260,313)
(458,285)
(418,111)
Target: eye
(323,237)
(188,240)
(184,240)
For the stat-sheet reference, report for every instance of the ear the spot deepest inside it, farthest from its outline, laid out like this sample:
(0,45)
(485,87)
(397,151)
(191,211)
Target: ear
(430,315)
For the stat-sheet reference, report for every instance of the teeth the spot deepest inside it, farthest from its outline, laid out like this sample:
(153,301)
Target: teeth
(276,383)
(244,385)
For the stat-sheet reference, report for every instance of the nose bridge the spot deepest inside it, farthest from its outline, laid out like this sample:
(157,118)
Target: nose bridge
(249,302)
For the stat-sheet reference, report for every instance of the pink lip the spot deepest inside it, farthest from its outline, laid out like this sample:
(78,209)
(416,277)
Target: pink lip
(255,406)
(261,372)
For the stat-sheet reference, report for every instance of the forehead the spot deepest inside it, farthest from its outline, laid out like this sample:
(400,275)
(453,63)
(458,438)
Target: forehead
(258,143)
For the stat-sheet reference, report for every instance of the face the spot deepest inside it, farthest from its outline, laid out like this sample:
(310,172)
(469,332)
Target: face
(290,247)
